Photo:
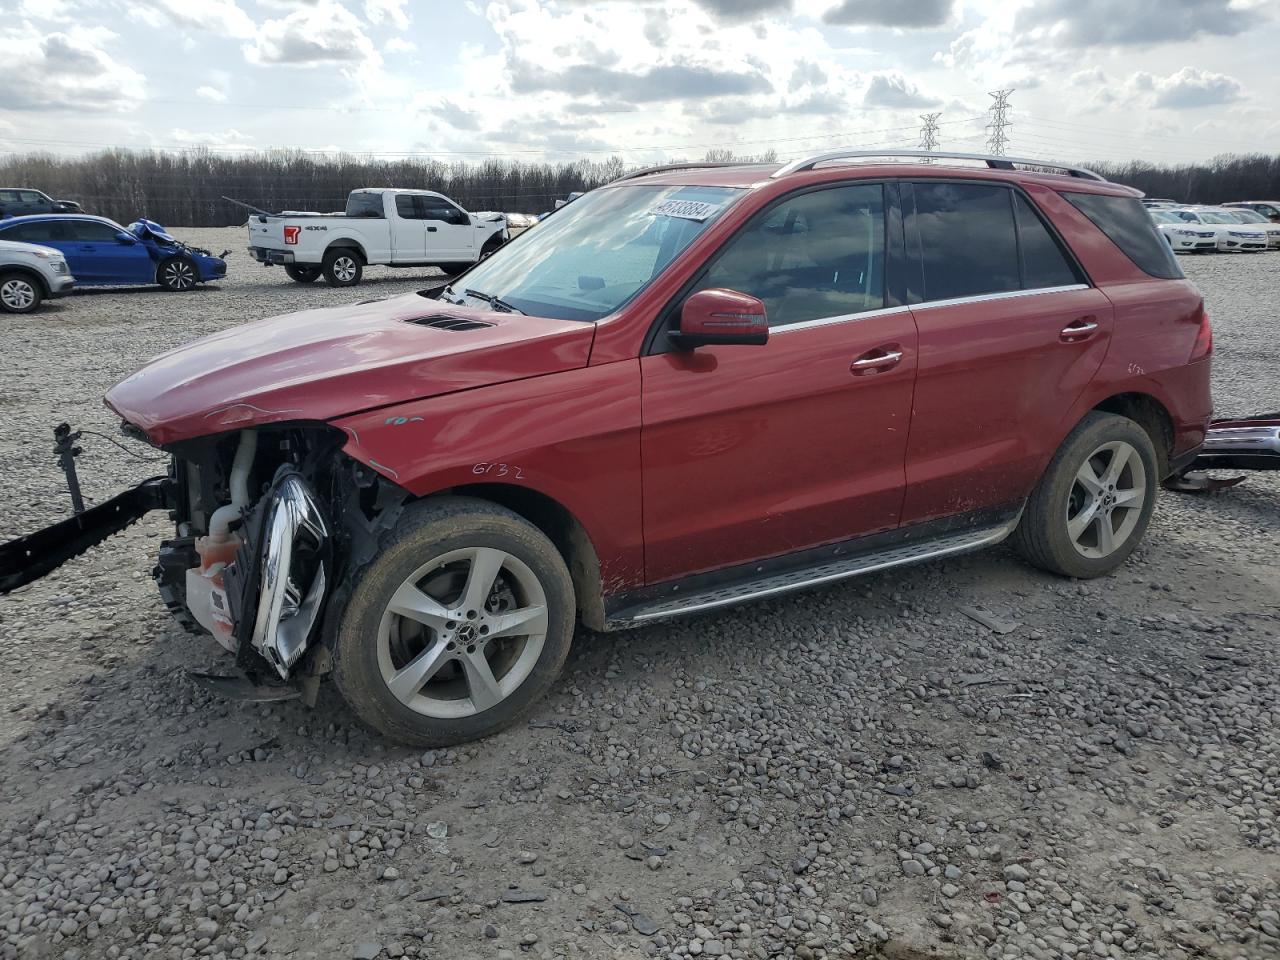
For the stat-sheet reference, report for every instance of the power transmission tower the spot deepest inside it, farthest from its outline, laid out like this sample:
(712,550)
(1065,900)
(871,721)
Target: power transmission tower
(929,132)
(998,141)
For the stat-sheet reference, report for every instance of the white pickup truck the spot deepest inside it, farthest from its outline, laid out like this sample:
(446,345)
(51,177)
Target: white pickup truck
(399,228)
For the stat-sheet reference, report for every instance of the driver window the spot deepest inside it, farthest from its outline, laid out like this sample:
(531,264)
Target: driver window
(817,255)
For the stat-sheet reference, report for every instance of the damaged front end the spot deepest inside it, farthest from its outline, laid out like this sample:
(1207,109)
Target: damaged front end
(270,524)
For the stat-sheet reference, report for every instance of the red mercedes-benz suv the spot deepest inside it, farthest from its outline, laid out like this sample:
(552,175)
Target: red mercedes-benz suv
(695,386)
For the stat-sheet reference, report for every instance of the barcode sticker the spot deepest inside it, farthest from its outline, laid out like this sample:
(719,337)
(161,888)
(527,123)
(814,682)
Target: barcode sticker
(685,209)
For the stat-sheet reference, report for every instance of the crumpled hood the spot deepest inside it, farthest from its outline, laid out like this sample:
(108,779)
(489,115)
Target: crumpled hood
(317,365)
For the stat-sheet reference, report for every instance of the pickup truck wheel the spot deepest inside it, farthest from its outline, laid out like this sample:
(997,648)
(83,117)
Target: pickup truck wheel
(458,626)
(1093,504)
(19,293)
(177,274)
(452,269)
(302,273)
(342,267)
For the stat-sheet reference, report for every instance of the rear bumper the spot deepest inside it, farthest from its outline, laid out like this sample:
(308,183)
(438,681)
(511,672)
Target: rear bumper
(268,256)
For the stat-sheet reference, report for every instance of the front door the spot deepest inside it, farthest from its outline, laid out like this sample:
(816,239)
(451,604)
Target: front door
(450,235)
(751,452)
(98,255)
(1010,334)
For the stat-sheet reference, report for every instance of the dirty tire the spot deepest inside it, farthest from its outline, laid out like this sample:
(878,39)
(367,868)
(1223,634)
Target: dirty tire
(1043,537)
(452,269)
(342,267)
(302,273)
(435,528)
(19,292)
(177,274)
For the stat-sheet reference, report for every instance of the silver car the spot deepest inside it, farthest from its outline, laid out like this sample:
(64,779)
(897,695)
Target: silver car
(29,274)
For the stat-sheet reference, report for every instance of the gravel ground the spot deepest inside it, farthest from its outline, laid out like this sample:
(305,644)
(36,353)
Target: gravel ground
(856,771)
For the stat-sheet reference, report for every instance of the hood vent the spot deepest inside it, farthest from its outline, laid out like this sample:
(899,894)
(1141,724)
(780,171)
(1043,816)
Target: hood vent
(455,324)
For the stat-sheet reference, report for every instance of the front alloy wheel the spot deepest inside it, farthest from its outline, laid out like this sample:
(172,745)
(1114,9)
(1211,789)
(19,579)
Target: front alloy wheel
(178,274)
(18,294)
(462,632)
(457,627)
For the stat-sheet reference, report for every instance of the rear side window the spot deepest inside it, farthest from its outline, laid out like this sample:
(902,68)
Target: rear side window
(29,232)
(813,256)
(365,205)
(1043,262)
(967,239)
(1125,221)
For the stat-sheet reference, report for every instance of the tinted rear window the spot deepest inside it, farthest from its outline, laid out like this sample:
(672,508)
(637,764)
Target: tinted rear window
(1043,262)
(365,205)
(1130,228)
(968,240)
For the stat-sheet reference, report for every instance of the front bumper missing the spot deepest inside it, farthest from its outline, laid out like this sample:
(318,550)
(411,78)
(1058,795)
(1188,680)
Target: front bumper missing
(29,558)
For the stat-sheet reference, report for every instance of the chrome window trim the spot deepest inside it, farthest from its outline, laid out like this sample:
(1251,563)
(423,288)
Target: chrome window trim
(840,318)
(1006,295)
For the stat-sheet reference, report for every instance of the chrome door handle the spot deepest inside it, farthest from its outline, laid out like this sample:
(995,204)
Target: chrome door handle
(1078,329)
(884,360)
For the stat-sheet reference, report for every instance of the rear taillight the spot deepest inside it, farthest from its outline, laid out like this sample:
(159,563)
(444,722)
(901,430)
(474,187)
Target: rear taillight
(1204,337)
(291,234)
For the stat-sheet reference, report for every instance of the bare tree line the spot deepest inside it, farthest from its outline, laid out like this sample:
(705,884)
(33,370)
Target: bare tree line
(186,189)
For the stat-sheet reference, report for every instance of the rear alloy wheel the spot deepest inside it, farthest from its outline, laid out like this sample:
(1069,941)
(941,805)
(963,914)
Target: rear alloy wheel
(458,626)
(177,274)
(342,268)
(1093,504)
(302,273)
(19,293)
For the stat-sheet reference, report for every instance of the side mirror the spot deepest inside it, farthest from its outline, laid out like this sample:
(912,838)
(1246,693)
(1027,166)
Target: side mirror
(125,237)
(721,317)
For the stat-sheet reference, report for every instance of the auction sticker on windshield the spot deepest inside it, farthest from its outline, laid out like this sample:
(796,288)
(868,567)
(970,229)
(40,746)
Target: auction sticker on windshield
(685,209)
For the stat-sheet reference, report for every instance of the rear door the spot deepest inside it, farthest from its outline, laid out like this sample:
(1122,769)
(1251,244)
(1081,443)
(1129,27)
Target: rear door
(33,201)
(758,451)
(1010,334)
(448,230)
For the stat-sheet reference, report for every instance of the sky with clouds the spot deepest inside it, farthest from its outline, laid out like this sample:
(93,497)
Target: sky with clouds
(1160,80)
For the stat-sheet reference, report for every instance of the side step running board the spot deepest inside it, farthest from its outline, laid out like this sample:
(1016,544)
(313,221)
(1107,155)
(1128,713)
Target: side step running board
(770,585)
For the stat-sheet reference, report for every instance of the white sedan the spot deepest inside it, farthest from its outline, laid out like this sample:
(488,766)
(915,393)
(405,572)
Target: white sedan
(1233,236)
(1255,219)
(1184,237)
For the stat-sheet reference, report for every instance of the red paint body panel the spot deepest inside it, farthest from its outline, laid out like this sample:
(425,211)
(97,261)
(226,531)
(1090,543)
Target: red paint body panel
(751,452)
(574,437)
(320,364)
(994,379)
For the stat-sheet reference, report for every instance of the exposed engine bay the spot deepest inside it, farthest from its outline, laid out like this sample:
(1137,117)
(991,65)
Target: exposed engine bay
(270,525)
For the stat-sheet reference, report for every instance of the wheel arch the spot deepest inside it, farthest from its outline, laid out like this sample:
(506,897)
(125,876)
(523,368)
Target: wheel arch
(347,243)
(30,275)
(562,528)
(1150,414)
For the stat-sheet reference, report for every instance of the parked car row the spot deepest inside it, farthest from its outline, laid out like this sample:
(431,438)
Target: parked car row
(1205,229)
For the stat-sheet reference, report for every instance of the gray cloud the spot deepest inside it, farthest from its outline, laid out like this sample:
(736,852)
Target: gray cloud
(743,10)
(735,111)
(676,81)
(310,37)
(1190,88)
(911,14)
(62,72)
(1087,23)
(455,116)
(807,72)
(657,28)
(892,90)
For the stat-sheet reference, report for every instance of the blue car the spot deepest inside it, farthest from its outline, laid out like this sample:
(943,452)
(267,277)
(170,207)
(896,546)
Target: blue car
(100,252)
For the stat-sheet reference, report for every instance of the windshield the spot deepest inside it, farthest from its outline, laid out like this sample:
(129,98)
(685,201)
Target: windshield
(595,253)
(1160,216)
(1208,216)
(1248,216)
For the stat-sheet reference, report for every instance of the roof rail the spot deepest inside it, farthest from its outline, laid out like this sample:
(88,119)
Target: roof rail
(708,164)
(992,161)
